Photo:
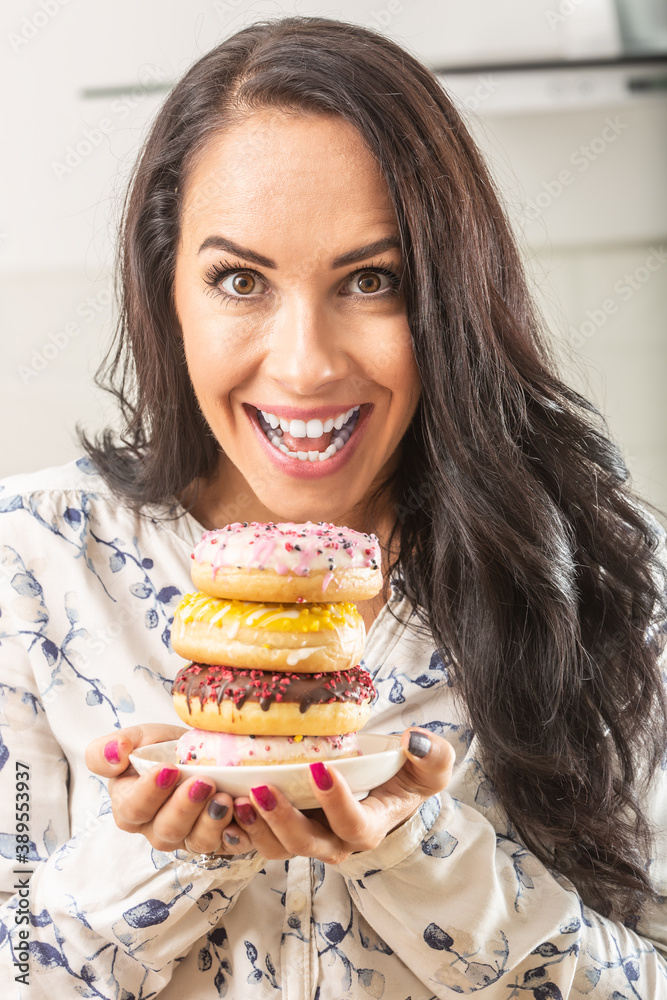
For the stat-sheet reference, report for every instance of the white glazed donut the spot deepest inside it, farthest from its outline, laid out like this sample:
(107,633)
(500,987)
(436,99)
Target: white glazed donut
(299,637)
(208,749)
(287,562)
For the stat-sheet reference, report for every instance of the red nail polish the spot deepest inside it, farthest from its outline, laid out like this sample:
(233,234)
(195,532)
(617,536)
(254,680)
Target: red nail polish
(199,791)
(264,797)
(111,752)
(246,813)
(323,779)
(166,777)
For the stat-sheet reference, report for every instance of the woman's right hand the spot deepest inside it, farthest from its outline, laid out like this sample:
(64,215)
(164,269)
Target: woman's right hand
(153,804)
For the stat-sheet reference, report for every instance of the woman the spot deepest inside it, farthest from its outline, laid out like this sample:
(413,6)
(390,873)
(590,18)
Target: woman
(311,230)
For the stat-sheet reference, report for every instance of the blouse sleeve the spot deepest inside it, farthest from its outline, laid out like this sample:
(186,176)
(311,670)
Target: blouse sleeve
(101,907)
(468,910)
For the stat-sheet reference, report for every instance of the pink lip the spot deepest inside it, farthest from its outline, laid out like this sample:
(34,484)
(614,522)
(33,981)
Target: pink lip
(311,470)
(293,413)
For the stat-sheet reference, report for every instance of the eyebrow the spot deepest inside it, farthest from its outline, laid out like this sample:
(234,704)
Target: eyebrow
(351,257)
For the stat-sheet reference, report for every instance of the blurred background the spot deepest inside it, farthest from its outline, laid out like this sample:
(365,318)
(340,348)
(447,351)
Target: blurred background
(567,99)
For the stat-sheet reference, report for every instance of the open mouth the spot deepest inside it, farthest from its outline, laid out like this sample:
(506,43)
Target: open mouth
(309,440)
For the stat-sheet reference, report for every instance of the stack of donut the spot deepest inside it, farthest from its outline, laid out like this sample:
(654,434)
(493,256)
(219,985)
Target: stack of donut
(275,642)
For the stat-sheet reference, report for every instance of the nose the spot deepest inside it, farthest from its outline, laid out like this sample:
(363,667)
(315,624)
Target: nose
(307,348)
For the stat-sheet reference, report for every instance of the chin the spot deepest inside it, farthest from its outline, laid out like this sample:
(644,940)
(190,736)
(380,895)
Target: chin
(317,502)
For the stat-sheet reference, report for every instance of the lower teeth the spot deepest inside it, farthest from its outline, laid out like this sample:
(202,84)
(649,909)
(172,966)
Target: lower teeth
(338,441)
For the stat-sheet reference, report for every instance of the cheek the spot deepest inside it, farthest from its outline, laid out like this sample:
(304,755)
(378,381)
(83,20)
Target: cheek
(214,372)
(217,357)
(391,362)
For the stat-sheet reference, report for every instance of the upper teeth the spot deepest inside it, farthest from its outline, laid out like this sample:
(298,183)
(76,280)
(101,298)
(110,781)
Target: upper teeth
(310,428)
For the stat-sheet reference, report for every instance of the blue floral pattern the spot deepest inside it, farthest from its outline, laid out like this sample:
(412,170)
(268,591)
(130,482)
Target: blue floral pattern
(450,904)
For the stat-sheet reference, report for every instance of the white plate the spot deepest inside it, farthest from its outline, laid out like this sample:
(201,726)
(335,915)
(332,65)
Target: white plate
(382,756)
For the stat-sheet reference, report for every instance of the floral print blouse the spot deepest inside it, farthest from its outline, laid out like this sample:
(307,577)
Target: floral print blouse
(449,904)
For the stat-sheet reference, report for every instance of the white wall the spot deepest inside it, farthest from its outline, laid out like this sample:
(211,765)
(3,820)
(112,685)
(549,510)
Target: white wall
(596,247)
(59,205)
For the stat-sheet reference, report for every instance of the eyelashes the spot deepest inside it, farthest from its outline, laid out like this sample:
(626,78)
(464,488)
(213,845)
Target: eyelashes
(216,274)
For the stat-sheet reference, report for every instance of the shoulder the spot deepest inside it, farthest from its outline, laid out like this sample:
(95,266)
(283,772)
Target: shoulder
(55,512)
(73,501)
(56,502)
(63,531)
(76,477)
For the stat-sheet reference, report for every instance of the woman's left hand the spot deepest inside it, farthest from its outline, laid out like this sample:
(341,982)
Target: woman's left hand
(268,823)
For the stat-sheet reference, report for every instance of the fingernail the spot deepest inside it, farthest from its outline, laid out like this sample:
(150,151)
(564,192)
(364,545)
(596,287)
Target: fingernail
(166,777)
(264,797)
(199,791)
(418,744)
(246,813)
(231,838)
(323,779)
(217,810)
(111,752)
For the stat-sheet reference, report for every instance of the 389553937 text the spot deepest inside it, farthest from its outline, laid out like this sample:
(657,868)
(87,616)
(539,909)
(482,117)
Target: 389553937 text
(22,883)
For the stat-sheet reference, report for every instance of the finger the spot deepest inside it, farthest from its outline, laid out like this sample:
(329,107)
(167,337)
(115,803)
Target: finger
(427,770)
(252,814)
(251,821)
(357,826)
(135,800)
(175,819)
(140,801)
(235,840)
(429,765)
(108,755)
(205,837)
(285,826)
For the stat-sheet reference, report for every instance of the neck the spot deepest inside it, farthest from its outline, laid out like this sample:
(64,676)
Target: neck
(226,497)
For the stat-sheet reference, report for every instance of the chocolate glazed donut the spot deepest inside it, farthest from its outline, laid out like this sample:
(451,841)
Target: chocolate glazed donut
(225,699)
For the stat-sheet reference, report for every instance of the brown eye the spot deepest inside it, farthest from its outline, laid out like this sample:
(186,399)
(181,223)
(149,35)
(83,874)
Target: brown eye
(243,283)
(369,281)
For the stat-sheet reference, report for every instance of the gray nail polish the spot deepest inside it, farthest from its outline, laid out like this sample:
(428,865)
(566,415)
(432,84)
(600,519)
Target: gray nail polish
(217,810)
(231,838)
(419,745)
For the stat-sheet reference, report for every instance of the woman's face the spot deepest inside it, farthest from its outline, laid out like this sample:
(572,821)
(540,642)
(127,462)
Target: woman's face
(296,339)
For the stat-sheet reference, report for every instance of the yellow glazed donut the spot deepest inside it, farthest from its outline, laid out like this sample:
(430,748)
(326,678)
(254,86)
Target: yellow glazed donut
(256,702)
(303,638)
(287,562)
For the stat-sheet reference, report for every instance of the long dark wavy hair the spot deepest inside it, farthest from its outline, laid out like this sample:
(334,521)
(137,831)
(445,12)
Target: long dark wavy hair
(531,563)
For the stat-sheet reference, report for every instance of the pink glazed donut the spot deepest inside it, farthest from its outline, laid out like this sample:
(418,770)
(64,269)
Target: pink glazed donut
(207,749)
(287,562)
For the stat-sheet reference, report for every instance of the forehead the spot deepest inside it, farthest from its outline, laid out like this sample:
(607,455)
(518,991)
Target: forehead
(276,169)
